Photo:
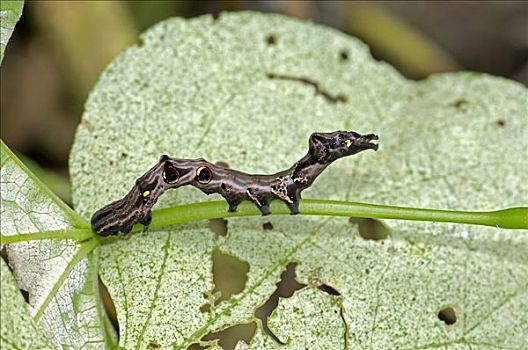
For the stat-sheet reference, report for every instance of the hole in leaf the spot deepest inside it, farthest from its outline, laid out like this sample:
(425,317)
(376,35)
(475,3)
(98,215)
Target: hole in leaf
(124,155)
(271,39)
(343,55)
(501,123)
(448,315)
(205,308)
(229,337)
(229,275)
(218,226)
(153,345)
(285,289)
(329,290)
(267,226)
(371,229)
(108,304)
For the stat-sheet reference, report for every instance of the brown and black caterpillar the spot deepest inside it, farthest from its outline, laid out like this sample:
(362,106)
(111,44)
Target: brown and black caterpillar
(235,186)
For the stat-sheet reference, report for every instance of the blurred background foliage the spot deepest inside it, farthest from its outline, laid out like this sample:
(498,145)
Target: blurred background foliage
(59,49)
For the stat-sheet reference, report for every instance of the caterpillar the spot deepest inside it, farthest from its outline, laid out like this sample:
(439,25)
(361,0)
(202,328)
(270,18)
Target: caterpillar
(235,186)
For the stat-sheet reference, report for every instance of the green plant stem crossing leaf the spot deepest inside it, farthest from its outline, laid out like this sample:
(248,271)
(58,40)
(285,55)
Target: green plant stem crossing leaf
(515,218)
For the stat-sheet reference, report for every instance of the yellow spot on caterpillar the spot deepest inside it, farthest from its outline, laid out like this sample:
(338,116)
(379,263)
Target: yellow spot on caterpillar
(146,194)
(348,143)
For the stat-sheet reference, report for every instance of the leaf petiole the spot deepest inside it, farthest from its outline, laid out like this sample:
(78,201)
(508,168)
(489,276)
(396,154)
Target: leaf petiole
(511,218)
(78,234)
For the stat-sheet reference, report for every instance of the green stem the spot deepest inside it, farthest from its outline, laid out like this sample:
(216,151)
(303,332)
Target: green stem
(512,218)
(78,234)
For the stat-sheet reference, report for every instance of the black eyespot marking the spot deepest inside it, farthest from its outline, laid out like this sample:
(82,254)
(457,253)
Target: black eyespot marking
(204,175)
(170,174)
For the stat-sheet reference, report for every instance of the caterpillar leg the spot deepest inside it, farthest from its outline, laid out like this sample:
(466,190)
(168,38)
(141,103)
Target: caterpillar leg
(294,207)
(264,209)
(233,204)
(259,201)
(126,230)
(145,221)
(145,229)
(111,232)
(293,203)
(292,200)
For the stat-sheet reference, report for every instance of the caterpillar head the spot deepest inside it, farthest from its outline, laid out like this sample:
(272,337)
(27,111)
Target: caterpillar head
(327,147)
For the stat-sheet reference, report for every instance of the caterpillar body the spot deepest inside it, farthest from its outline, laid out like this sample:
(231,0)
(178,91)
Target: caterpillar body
(235,186)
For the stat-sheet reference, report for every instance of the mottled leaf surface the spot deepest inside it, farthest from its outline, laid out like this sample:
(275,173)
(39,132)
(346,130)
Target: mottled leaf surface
(58,275)
(18,330)
(10,12)
(248,89)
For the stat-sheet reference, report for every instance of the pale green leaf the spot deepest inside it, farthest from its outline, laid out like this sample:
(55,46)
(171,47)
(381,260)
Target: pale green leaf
(29,207)
(49,261)
(212,88)
(18,330)
(10,12)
